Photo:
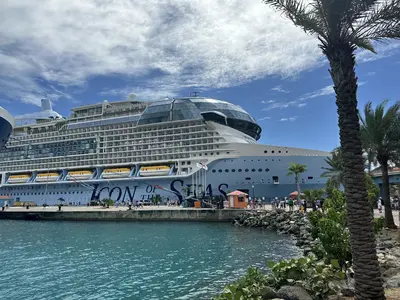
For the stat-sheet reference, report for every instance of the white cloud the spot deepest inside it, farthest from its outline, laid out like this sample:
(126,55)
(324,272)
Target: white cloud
(279,89)
(371,73)
(301,101)
(264,118)
(181,44)
(383,50)
(268,102)
(290,119)
(206,43)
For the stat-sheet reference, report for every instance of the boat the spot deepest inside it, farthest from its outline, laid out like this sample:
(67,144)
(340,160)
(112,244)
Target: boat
(131,150)
(116,173)
(7,124)
(154,170)
(18,178)
(47,177)
(79,175)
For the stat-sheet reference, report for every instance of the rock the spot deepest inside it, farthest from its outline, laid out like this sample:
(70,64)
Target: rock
(393,282)
(268,293)
(347,292)
(306,251)
(391,272)
(293,293)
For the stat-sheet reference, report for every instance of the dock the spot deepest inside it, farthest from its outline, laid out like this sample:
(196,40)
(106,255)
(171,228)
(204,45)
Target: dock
(96,213)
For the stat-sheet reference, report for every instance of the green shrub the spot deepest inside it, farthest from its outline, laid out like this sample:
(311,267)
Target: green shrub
(251,286)
(315,276)
(379,224)
(109,202)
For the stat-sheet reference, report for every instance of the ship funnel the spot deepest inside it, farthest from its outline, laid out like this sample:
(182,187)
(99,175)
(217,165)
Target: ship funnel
(46,105)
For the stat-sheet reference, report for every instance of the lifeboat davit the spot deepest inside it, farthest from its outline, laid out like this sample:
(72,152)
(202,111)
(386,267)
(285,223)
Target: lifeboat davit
(116,173)
(79,175)
(47,177)
(18,178)
(154,170)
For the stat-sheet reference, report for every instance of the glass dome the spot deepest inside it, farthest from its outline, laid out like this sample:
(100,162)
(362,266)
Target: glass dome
(201,108)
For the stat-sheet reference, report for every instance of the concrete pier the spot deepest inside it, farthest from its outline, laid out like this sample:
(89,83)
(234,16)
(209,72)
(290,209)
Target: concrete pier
(120,214)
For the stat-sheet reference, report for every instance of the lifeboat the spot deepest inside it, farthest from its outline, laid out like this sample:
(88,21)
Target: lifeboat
(154,170)
(116,172)
(47,177)
(19,178)
(79,175)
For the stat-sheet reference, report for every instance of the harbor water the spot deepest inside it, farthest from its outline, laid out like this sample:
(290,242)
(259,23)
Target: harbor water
(135,260)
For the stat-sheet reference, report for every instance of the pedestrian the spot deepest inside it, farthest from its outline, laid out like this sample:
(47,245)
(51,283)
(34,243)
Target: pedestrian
(380,204)
(291,204)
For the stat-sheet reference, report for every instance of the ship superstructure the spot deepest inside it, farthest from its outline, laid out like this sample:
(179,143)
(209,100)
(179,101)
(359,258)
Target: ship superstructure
(7,124)
(132,150)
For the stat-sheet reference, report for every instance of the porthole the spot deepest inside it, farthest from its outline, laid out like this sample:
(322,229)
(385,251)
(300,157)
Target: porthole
(259,170)
(240,170)
(214,171)
(246,170)
(279,151)
(233,170)
(265,151)
(273,151)
(226,170)
(220,170)
(266,170)
(253,170)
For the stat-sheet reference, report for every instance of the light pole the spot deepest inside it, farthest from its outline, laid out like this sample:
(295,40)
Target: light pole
(253,190)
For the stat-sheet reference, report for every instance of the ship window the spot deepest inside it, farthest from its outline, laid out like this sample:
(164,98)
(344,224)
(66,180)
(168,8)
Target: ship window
(246,170)
(279,151)
(226,170)
(213,171)
(259,170)
(273,151)
(275,179)
(240,170)
(233,170)
(310,177)
(248,178)
(265,151)
(253,170)
(220,170)
(266,170)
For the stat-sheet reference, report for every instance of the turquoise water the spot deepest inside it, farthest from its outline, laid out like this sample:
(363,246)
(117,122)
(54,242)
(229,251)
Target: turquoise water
(90,260)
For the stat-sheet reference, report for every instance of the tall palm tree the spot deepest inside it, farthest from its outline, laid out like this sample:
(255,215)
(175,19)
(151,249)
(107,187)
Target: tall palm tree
(380,129)
(334,172)
(342,26)
(296,170)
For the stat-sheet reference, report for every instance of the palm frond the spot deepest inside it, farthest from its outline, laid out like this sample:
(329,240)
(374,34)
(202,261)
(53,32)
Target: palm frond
(380,21)
(310,20)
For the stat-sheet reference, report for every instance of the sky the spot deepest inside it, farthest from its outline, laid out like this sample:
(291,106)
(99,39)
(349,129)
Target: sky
(78,52)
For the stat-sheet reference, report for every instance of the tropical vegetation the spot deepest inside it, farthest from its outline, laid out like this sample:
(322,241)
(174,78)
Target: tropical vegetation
(334,171)
(296,170)
(312,195)
(341,28)
(380,130)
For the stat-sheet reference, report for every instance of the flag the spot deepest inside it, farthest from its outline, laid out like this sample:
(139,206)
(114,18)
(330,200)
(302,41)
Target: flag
(202,166)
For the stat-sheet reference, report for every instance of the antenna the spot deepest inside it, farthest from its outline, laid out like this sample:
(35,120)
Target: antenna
(194,94)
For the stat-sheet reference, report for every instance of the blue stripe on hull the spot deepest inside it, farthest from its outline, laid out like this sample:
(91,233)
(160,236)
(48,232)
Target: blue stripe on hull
(222,177)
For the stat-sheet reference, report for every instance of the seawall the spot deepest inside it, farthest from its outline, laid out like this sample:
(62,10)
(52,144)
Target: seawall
(198,215)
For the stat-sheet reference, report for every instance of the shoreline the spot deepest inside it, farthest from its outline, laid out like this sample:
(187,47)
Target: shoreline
(97,213)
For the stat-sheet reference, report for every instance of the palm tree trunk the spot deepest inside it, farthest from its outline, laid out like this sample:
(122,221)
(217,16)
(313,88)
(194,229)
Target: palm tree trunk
(386,196)
(368,280)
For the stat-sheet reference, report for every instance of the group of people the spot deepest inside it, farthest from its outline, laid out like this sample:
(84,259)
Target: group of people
(292,203)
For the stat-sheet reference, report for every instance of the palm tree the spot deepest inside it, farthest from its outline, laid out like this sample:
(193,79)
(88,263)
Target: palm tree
(380,129)
(296,170)
(334,172)
(341,28)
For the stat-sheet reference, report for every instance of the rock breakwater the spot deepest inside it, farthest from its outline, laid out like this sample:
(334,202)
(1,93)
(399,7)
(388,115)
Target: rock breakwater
(283,222)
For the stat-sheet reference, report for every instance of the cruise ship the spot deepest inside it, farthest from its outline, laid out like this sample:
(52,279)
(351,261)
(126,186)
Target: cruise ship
(7,124)
(129,151)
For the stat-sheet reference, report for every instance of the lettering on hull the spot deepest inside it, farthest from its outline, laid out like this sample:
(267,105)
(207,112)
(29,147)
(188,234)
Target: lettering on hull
(177,188)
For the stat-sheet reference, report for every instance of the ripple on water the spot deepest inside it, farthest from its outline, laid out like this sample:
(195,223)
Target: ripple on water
(57,260)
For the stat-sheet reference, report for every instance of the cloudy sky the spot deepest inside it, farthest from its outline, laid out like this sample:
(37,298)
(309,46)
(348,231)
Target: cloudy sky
(78,52)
